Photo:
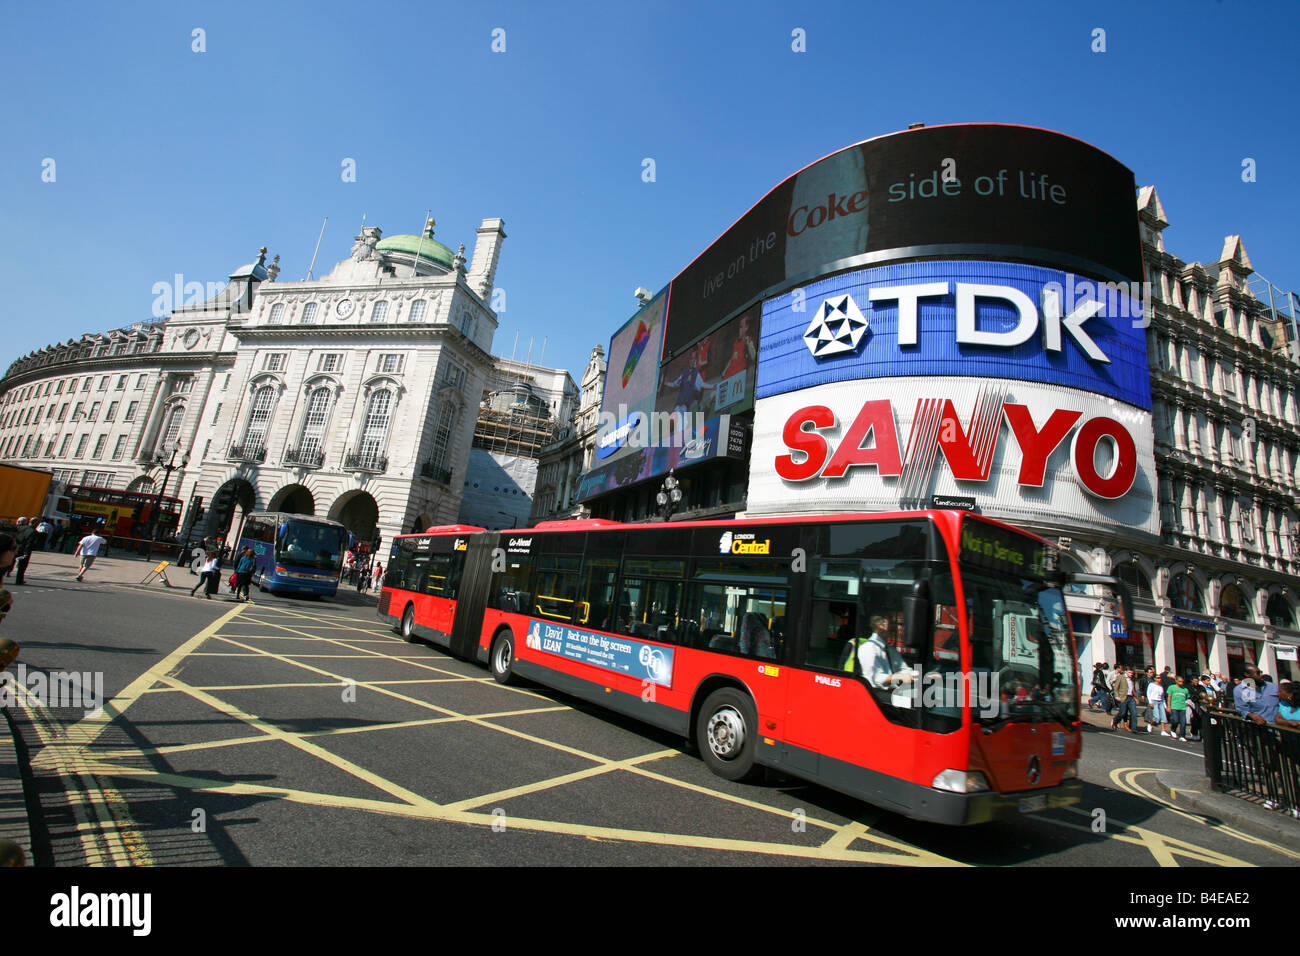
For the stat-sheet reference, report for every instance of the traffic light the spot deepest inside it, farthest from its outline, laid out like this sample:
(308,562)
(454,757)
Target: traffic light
(223,509)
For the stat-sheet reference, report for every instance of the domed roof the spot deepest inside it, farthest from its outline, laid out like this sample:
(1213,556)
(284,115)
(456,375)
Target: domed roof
(429,248)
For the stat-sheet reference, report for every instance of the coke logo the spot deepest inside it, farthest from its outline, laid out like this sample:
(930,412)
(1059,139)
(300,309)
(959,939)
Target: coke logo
(804,218)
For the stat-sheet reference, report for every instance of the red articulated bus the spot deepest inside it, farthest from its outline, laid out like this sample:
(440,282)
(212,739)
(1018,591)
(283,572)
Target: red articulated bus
(921,661)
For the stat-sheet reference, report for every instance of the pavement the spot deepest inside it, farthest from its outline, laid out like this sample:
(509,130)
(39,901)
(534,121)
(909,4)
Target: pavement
(1187,791)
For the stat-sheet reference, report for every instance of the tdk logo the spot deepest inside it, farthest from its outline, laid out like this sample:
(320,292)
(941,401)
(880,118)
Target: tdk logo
(839,327)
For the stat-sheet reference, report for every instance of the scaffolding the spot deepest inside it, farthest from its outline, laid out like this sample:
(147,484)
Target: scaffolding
(1283,308)
(520,429)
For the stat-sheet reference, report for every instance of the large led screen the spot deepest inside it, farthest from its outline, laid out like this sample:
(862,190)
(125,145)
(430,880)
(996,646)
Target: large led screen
(997,192)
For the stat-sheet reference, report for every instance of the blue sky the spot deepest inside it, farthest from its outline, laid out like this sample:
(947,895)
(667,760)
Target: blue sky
(170,161)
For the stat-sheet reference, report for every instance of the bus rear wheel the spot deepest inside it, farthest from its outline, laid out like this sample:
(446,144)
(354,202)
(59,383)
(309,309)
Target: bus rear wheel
(408,624)
(726,734)
(502,659)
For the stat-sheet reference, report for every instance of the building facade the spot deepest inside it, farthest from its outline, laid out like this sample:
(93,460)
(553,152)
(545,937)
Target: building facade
(562,461)
(868,339)
(521,411)
(352,396)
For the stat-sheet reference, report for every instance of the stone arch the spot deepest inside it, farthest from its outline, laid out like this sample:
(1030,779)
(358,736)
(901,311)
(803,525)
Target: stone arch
(296,499)
(1233,600)
(1138,572)
(1279,609)
(229,508)
(143,483)
(358,512)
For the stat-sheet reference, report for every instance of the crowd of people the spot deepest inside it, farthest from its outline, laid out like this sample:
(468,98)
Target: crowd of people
(1176,706)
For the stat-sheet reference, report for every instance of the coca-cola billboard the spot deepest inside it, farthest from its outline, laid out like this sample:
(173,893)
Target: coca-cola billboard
(998,192)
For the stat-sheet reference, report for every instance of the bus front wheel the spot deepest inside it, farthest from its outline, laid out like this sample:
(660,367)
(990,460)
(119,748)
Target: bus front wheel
(408,624)
(726,735)
(503,658)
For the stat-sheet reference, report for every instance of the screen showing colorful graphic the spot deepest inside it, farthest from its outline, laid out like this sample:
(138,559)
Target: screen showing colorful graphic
(700,394)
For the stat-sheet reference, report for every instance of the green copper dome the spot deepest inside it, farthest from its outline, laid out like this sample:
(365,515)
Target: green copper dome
(429,248)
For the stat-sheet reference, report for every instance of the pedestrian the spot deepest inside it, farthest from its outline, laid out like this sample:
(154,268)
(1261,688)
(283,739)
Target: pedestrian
(88,547)
(244,573)
(379,575)
(1178,704)
(1167,680)
(43,529)
(25,539)
(1125,699)
(8,549)
(1156,702)
(1288,705)
(1256,697)
(363,576)
(1100,692)
(207,574)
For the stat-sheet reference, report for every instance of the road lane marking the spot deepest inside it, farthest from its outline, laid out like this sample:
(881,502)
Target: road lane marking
(560,781)
(103,821)
(87,730)
(296,740)
(1125,778)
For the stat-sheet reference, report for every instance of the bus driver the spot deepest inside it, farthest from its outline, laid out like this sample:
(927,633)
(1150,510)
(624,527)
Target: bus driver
(881,663)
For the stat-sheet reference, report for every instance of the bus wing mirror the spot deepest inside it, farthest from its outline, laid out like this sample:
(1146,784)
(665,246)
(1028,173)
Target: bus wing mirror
(1123,596)
(916,616)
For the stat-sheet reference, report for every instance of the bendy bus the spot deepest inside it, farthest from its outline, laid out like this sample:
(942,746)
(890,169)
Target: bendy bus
(920,661)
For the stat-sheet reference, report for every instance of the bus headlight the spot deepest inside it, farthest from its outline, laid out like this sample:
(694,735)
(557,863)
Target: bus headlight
(960,781)
(1071,771)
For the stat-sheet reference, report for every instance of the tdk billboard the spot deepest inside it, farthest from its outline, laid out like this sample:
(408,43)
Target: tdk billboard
(1023,387)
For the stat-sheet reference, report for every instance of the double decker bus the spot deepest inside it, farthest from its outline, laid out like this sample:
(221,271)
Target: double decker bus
(920,661)
(125,518)
(296,553)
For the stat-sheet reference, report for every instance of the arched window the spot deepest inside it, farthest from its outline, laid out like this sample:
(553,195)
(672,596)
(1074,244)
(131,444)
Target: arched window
(1279,612)
(259,420)
(313,425)
(171,430)
(1184,594)
(374,434)
(277,314)
(1232,603)
(417,310)
(1133,575)
(309,313)
(442,438)
(379,312)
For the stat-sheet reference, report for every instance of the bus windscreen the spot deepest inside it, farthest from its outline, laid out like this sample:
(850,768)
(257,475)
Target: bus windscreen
(307,545)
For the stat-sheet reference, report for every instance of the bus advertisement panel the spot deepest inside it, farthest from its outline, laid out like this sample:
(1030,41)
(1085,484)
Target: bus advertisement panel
(866,652)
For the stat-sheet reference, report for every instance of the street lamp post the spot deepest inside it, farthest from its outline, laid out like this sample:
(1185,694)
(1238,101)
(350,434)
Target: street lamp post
(669,497)
(169,465)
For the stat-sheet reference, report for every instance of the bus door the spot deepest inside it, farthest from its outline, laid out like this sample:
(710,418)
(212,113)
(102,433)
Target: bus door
(475,584)
(844,711)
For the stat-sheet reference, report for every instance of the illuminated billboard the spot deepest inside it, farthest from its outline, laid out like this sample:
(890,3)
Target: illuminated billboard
(983,190)
(1021,388)
(691,420)
(632,376)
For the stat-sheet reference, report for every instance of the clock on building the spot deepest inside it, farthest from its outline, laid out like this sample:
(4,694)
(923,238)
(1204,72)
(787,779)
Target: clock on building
(345,308)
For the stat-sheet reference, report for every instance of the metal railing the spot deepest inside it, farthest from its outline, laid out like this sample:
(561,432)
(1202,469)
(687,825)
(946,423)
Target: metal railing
(1257,761)
(365,461)
(308,459)
(248,452)
(428,470)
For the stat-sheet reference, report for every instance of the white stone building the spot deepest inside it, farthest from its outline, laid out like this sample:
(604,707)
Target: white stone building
(353,396)
(1220,589)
